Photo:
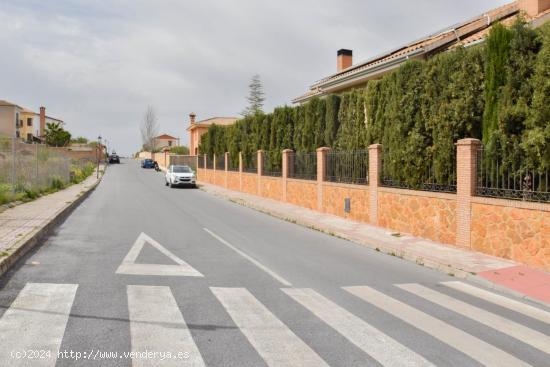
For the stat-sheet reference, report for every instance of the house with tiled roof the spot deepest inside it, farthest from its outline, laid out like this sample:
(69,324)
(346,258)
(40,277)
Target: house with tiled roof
(197,128)
(165,141)
(349,75)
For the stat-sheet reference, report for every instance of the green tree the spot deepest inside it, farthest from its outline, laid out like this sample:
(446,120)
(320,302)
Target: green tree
(79,140)
(56,136)
(255,98)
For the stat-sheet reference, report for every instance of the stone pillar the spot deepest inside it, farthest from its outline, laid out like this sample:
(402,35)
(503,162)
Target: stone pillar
(260,168)
(321,174)
(240,171)
(466,175)
(375,170)
(226,166)
(287,153)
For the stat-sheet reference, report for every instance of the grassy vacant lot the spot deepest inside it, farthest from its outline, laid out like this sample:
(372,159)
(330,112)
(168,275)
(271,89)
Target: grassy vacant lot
(25,192)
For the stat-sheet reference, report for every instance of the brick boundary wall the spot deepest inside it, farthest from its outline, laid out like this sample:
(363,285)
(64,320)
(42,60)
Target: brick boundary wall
(510,229)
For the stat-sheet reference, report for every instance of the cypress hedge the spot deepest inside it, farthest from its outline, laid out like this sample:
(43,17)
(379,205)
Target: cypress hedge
(498,92)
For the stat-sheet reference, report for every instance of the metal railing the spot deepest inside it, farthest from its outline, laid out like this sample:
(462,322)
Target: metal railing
(510,181)
(209,162)
(185,160)
(220,162)
(272,162)
(201,161)
(425,178)
(250,163)
(303,166)
(233,162)
(347,167)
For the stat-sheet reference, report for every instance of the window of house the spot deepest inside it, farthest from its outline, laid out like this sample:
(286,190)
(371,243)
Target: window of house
(29,137)
(169,143)
(29,121)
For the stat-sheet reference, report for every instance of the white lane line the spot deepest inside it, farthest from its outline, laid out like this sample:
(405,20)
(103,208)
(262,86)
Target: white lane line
(129,266)
(276,276)
(157,325)
(272,339)
(528,310)
(36,320)
(473,347)
(372,341)
(499,323)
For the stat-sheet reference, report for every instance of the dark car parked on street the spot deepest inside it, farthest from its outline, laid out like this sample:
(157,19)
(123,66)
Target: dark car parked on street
(114,158)
(147,163)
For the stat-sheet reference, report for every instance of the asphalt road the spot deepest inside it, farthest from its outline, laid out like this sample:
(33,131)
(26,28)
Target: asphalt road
(141,267)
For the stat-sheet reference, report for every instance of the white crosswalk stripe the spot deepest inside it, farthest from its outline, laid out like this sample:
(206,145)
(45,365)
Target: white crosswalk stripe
(473,347)
(36,320)
(511,304)
(378,345)
(499,323)
(272,339)
(157,325)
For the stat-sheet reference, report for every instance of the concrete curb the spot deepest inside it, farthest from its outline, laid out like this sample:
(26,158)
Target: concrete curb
(404,255)
(30,240)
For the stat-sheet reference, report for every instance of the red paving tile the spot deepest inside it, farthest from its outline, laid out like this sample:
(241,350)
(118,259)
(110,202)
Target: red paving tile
(533,283)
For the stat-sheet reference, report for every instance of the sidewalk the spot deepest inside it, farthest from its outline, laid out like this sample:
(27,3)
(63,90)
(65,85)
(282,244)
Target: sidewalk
(493,272)
(22,226)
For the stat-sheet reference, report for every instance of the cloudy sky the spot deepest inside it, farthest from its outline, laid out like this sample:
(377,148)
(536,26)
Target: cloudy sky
(97,64)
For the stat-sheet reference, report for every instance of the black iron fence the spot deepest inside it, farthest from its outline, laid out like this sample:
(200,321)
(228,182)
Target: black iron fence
(201,161)
(510,181)
(348,167)
(250,163)
(209,162)
(271,164)
(220,162)
(233,162)
(426,177)
(303,166)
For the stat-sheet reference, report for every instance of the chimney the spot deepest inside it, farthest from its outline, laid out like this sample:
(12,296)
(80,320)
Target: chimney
(192,117)
(533,7)
(42,121)
(344,59)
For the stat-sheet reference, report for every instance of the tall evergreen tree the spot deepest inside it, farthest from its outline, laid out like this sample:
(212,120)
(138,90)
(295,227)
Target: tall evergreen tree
(256,97)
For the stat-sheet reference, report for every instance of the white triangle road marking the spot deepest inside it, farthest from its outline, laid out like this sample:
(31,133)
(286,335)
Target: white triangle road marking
(129,266)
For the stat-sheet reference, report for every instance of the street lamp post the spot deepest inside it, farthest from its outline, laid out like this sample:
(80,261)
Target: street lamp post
(98,154)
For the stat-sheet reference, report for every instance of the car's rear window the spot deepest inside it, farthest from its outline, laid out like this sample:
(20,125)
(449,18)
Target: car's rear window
(148,161)
(181,169)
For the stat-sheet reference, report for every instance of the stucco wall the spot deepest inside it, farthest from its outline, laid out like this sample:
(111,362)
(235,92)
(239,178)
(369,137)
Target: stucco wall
(250,183)
(271,187)
(514,233)
(335,194)
(302,193)
(428,215)
(233,182)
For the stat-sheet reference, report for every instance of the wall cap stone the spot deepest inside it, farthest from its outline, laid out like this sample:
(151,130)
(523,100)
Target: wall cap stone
(468,141)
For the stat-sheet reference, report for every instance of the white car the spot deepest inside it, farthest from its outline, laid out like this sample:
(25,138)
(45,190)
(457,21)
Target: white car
(180,176)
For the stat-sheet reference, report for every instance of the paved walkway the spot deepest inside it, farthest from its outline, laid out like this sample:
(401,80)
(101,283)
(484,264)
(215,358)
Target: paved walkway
(17,223)
(493,271)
